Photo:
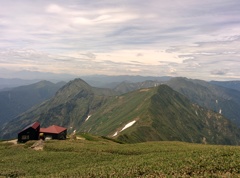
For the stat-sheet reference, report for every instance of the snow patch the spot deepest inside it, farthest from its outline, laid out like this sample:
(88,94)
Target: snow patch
(216,101)
(128,125)
(88,117)
(125,127)
(115,134)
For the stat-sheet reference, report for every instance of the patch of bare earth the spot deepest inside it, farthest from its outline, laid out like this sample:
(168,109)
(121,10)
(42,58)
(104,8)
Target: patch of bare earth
(38,145)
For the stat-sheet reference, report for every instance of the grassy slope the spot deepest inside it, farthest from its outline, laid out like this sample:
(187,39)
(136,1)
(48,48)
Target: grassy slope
(104,158)
(179,119)
(161,114)
(119,111)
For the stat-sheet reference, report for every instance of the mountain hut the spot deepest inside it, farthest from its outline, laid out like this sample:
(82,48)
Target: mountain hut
(31,132)
(54,132)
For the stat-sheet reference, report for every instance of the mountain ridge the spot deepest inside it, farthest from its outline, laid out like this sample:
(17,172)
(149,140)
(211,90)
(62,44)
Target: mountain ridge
(221,99)
(217,98)
(147,114)
(158,125)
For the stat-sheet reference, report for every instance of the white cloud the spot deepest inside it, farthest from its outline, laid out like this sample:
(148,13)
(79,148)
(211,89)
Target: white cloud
(54,8)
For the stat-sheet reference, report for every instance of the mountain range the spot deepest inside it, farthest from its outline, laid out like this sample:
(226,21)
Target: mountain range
(221,97)
(6,84)
(8,78)
(144,114)
(17,100)
(228,84)
(223,100)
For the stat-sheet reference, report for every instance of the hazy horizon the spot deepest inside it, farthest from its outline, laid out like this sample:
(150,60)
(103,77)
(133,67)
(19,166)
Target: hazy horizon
(188,38)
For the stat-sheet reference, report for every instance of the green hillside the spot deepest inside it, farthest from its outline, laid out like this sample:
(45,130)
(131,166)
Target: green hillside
(104,158)
(117,112)
(69,107)
(160,113)
(219,99)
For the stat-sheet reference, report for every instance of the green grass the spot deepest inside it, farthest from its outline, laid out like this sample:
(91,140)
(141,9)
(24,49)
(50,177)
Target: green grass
(117,112)
(104,158)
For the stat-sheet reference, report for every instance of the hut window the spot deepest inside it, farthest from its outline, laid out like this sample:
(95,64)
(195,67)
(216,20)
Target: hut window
(25,137)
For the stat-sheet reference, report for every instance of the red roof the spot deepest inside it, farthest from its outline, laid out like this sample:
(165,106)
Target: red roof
(34,125)
(53,129)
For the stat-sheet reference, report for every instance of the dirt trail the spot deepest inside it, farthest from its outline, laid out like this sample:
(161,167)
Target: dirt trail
(12,141)
(38,145)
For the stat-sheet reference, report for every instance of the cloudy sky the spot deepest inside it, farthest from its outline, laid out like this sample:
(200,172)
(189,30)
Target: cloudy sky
(190,38)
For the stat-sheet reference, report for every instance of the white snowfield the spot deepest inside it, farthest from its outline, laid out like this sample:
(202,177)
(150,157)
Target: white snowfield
(125,127)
